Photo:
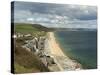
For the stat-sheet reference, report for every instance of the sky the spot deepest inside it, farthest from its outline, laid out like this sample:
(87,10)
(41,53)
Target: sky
(56,15)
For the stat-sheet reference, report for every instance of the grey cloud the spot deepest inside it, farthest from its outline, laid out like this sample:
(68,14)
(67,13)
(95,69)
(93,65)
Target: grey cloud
(62,15)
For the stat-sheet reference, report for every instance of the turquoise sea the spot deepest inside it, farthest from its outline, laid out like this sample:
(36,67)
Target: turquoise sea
(80,46)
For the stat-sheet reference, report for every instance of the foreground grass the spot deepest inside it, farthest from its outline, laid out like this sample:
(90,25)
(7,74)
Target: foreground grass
(27,62)
(22,69)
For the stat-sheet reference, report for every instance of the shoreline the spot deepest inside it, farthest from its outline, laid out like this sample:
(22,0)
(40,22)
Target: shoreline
(55,48)
(63,61)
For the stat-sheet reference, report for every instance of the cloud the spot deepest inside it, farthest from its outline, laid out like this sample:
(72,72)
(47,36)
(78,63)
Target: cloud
(53,15)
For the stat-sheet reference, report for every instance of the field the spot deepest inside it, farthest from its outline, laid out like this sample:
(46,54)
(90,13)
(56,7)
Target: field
(33,29)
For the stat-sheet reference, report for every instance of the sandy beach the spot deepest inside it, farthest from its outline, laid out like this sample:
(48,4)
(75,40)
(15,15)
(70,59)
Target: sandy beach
(63,61)
(55,49)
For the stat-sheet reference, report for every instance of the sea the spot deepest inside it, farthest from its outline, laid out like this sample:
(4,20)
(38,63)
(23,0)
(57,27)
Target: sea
(79,45)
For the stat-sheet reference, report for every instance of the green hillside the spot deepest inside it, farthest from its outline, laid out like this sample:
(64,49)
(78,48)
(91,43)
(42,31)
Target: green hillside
(25,61)
(25,28)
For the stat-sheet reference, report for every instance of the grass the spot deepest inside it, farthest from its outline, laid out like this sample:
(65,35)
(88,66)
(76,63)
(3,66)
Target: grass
(22,69)
(35,30)
(27,62)
(25,28)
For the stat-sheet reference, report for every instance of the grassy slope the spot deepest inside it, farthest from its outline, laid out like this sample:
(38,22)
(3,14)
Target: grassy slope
(33,29)
(21,27)
(25,28)
(27,62)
